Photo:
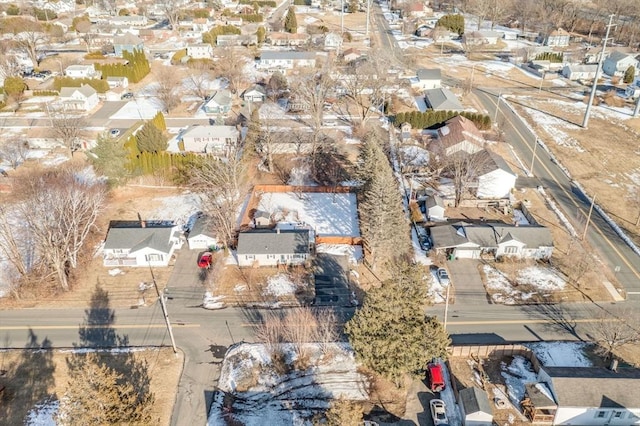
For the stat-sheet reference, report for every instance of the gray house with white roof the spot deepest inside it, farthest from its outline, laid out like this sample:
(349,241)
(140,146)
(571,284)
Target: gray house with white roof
(220,102)
(140,243)
(273,247)
(469,241)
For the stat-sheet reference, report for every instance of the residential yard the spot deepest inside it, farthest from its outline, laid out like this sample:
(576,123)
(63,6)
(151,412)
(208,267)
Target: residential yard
(33,400)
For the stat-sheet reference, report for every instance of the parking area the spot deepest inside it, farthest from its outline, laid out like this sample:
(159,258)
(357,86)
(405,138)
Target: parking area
(467,282)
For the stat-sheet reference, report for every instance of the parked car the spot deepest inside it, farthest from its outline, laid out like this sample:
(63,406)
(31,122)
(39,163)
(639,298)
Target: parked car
(127,95)
(435,377)
(205,260)
(114,132)
(443,276)
(425,243)
(438,412)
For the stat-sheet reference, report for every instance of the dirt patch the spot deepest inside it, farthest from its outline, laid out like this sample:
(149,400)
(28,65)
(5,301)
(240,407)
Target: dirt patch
(31,377)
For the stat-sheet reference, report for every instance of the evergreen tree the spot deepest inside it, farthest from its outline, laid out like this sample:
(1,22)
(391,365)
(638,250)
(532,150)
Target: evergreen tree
(629,75)
(261,34)
(353,6)
(109,157)
(151,139)
(290,21)
(390,333)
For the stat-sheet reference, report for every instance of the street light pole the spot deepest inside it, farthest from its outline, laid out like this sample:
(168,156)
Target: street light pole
(585,120)
(446,307)
(164,311)
(586,225)
(533,157)
(495,117)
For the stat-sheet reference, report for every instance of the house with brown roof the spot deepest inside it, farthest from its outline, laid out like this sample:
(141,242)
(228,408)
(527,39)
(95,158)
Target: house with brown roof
(458,134)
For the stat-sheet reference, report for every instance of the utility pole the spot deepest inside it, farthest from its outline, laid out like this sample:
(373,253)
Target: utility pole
(495,117)
(637,108)
(164,311)
(533,157)
(367,26)
(586,225)
(446,307)
(341,17)
(585,120)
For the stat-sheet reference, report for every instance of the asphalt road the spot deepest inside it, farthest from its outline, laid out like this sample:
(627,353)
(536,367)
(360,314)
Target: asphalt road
(611,248)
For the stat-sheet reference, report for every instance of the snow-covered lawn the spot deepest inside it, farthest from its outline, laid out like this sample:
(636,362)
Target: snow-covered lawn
(414,156)
(557,354)
(353,253)
(177,208)
(280,285)
(263,396)
(326,214)
(527,283)
(141,108)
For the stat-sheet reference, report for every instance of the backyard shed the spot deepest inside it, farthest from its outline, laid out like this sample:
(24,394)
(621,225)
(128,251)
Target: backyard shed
(474,407)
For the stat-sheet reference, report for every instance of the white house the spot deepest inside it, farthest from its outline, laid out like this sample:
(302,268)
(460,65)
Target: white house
(617,62)
(272,248)
(83,98)
(129,21)
(593,395)
(474,407)
(458,134)
(82,71)
(495,177)
(332,41)
(140,244)
(256,93)
(468,241)
(579,72)
(219,103)
(557,38)
(114,82)
(201,236)
(434,208)
(209,139)
(200,51)
(285,61)
(427,79)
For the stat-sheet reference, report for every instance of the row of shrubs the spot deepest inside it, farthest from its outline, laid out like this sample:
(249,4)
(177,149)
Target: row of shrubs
(422,120)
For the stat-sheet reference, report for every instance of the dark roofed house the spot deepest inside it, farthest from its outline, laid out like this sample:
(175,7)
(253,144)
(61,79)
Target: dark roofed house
(201,235)
(140,243)
(273,248)
(593,395)
(469,241)
(127,43)
(475,408)
(442,100)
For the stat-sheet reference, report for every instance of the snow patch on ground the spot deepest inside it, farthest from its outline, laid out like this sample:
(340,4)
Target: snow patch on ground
(177,208)
(413,156)
(213,302)
(280,285)
(561,354)
(265,397)
(516,375)
(542,279)
(552,126)
(43,414)
(140,108)
(116,271)
(327,214)
(354,253)
(534,279)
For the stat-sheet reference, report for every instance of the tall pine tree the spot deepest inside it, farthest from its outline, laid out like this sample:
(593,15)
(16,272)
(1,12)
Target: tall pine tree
(151,139)
(390,333)
(290,21)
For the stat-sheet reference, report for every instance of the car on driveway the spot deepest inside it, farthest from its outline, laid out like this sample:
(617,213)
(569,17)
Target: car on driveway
(425,242)
(443,277)
(127,95)
(114,132)
(205,260)
(438,412)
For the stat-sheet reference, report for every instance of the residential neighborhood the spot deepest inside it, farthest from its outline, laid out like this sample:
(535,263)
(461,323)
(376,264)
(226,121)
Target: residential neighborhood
(320,213)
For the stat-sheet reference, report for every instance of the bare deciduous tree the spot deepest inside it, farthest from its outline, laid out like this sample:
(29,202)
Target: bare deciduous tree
(171,10)
(365,85)
(167,89)
(611,332)
(68,128)
(231,65)
(9,66)
(30,39)
(313,90)
(481,9)
(13,152)
(198,79)
(464,168)
(15,246)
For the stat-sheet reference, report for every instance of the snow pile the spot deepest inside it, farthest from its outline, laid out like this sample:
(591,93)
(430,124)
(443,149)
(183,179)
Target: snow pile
(520,218)
(266,397)
(328,214)
(561,354)
(353,253)
(280,285)
(116,271)
(213,302)
(540,278)
(43,414)
(558,213)
(449,398)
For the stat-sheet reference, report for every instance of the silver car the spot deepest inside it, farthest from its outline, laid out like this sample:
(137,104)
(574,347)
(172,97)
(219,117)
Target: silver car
(443,276)
(438,412)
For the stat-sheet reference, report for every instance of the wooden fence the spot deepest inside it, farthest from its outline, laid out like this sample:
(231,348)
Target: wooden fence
(338,239)
(293,188)
(484,351)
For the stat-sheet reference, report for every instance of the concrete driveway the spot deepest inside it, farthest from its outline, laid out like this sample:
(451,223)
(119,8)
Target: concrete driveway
(467,282)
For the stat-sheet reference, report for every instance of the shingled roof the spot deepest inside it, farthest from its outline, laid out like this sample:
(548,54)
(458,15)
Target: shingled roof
(137,238)
(295,241)
(489,235)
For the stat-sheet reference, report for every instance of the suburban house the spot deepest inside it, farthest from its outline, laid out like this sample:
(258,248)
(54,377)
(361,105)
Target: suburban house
(617,62)
(127,43)
(434,208)
(82,71)
(351,55)
(285,61)
(140,243)
(474,407)
(209,139)
(427,79)
(256,93)
(129,21)
(579,72)
(557,38)
(261,219)
(442,99)
(458,134)
(273,248)
(83,98)
(470,241)
(587,396)
(220,103)
(495,179)
(201,236)
(237,40)
(200,51)
(482,37)
(332,41)
(114,82)
(281,38)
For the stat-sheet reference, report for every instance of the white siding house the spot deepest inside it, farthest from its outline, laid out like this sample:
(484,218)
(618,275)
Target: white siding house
(82,71)
(558,38)
(200,51)
(474,407)
(496,180)
(83,98)
(617,63)
(579,72)
(140,244)
(272,248)
(285,61)
(200,236)
(209,139)
(427,79)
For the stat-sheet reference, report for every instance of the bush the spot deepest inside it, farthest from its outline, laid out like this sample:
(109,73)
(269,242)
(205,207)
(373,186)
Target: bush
(422,120)
(453,23)
(44,14)
(177,57)
(95,54)
(550,56)
(261,3)
(13,10)
(45,93)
